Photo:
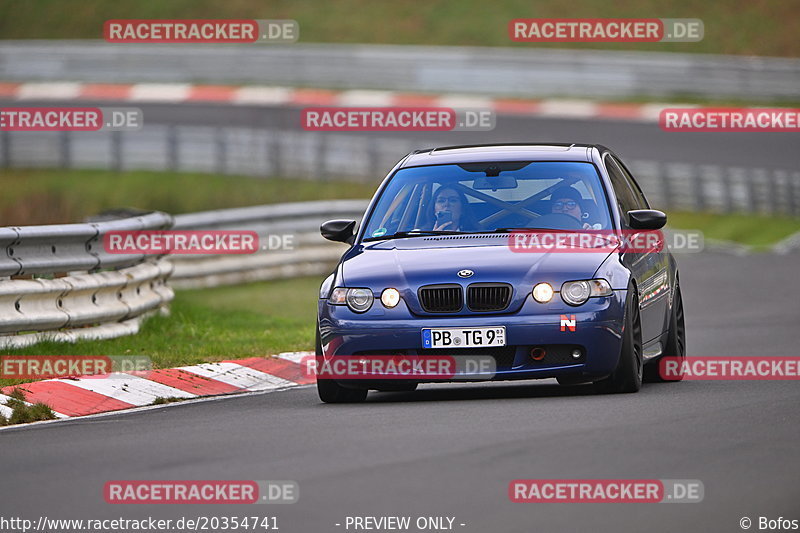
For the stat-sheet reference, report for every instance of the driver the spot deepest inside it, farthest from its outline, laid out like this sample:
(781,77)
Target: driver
(451,211)
(567,200)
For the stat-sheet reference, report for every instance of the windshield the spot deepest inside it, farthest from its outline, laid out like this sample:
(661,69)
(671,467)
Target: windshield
(489,197)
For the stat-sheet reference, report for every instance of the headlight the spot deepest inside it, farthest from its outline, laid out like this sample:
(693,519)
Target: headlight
(542,293)
(390,297)
(578,292)
(358,300)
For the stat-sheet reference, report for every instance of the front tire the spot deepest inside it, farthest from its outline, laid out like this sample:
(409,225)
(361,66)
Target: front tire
(627,377)
(331,392)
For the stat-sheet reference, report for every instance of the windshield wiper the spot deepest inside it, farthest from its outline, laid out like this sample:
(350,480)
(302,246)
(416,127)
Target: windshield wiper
(413,233)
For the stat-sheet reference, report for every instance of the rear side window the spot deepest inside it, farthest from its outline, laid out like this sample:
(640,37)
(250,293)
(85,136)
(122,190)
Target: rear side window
(626,199)
(641,201)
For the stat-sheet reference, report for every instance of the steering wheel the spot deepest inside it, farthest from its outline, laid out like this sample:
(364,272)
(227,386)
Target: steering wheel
(556,221)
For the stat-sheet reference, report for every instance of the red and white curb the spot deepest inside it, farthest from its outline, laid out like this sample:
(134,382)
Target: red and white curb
(289,96)
(89,395)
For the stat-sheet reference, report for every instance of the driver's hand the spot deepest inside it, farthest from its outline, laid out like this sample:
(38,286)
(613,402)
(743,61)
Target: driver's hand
(443,226)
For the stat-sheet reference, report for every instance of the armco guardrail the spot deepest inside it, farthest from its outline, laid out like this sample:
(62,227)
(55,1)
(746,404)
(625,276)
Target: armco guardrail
(81,292)
(69,247)
(264,153)
(514,71)
(307,254)
(87,293)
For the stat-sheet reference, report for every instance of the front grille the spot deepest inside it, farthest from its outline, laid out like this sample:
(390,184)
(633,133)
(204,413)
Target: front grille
(503,355)
(488,296)
(441,298)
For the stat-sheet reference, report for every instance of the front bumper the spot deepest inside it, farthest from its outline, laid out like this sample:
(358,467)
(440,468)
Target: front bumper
(598,333)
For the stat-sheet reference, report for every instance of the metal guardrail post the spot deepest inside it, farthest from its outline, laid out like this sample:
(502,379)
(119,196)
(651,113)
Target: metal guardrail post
(5,148)
(699,189)
(666,188)
(320,159)
(8,265)
(373,163)
(752,195)
(771,201)
(793,181)
(173,162)
(116,150)
(65,149)
(221,150)
(727,190)
(275,152)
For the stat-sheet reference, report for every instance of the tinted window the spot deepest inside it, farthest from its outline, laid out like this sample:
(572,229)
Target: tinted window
(641,201)
(626,200)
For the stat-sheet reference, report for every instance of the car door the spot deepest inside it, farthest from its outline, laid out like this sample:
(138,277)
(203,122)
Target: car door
(650,270)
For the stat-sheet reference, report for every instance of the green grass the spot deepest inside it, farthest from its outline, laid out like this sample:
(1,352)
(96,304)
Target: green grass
(758,231)
(22,413)
(760,27)
(251,320)
(51,196)
(162,401)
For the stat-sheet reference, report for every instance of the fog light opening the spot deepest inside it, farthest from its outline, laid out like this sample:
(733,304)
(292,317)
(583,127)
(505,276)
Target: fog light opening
(576,353)
(538,353)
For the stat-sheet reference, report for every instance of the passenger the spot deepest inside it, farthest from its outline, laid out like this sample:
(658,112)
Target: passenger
(567,201)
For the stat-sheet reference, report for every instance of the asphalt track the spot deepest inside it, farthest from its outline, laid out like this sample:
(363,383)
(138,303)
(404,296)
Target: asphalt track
(451,450)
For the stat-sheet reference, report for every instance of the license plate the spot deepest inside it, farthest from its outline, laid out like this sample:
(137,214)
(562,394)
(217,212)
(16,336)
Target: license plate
(463,337)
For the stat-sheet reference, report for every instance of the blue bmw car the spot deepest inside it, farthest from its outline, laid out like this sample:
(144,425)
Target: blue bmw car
(433,269)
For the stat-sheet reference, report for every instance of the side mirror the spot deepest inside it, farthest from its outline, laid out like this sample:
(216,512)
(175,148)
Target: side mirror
(339,230)
(646,219)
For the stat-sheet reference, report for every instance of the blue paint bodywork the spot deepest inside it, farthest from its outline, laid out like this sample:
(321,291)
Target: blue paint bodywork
(409,263)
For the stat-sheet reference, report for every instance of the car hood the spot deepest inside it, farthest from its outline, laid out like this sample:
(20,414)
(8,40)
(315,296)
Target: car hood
(407,264)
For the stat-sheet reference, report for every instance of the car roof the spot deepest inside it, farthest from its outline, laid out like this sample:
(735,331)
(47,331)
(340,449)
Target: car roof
(501,152)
